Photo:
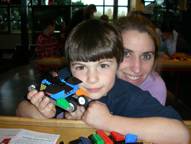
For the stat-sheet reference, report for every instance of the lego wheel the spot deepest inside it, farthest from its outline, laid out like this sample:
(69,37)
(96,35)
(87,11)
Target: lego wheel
(73,105)
(82,100)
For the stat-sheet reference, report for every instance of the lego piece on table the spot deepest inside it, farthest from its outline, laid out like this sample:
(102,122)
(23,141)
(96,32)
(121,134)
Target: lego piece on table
(96,139)
(103,135)
(117,137)
(130,138)
(81,140)
(85,140)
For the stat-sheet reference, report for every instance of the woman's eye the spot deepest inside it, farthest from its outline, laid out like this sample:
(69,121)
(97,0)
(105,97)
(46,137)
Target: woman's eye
(147,56)
(127,53)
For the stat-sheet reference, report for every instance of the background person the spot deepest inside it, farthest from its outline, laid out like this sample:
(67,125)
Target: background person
(104,18)
(172,42)
(81,15)
(47,46)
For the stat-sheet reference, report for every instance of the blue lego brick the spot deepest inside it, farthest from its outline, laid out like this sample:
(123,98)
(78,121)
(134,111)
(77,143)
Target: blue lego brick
(130,138)
(81,140)
(85,140)
(58,95)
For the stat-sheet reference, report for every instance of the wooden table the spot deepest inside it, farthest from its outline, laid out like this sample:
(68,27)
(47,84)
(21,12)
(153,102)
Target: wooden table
(67,129)
(164,64)
(57,61)
(174,65)
(177,70)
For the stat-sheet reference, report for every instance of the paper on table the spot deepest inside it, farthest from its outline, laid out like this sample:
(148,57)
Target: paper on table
(33,137)
(6,134)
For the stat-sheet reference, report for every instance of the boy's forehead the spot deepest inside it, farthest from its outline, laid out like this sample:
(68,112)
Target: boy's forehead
(111,60)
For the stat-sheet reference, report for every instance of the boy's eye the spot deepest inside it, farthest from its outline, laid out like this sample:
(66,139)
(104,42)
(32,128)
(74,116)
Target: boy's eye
(79,68)
(104,65)
(147,56)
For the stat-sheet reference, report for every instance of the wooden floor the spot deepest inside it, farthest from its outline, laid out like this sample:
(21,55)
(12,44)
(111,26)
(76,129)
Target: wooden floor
(14,82)
(13,87)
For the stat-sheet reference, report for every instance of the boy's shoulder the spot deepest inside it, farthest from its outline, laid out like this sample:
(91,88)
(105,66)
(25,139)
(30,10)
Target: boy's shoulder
(125,86)
(126,96)
(125,90)
(64,73)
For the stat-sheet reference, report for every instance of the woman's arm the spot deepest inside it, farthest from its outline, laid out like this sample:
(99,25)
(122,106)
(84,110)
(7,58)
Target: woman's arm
(153,129)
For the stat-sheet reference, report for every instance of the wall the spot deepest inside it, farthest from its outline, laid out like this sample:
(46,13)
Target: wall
(137,5)
(9,41)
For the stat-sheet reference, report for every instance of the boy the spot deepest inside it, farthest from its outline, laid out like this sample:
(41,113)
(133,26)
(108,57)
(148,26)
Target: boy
(94,51)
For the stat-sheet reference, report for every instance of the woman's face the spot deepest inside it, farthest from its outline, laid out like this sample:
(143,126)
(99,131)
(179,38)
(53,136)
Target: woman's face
(139,57)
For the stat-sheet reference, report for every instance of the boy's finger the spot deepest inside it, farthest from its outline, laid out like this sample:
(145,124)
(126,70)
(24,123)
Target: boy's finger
(52,107)
(37,98)
(31,94)
(44,103)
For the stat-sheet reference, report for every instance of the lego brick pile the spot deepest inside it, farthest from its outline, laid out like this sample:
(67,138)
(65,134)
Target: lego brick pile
(100,137)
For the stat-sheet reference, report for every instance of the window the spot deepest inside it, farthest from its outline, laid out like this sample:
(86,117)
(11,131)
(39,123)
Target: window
(107,7)
(10,13)
(4,19)
(148,2)
(10,18)
(122,8)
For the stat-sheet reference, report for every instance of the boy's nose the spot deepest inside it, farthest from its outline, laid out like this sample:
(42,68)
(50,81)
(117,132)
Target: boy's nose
(92,76)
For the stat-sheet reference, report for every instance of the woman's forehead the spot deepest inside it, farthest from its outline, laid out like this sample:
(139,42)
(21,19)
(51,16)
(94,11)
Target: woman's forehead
(137,41)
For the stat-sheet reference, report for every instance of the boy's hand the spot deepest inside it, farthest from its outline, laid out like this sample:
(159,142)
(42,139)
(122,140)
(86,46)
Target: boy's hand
(76,115)
(42,103)
(97,115)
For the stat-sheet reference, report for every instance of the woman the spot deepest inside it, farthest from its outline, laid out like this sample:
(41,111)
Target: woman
(141,45)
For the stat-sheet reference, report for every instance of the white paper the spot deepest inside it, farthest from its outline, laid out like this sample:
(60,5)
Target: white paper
(22,136)
(6,133)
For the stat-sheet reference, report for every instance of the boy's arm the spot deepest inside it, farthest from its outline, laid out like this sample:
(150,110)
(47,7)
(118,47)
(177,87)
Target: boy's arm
(38,106)
(27,109)
(151,129)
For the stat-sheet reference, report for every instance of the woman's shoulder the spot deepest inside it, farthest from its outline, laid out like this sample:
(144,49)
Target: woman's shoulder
(156,79)
(156,86)
(153,80)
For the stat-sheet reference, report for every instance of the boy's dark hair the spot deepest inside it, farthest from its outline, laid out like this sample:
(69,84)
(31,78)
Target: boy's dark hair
(93,40)
(136,21)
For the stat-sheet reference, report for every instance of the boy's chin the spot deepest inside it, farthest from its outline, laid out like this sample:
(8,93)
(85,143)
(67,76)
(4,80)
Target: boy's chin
(95,96)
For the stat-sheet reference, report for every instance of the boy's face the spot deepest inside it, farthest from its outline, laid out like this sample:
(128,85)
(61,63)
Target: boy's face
(98,77)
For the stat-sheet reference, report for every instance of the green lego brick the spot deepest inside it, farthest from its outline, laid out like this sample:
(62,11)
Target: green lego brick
(96,139)
(63,103)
